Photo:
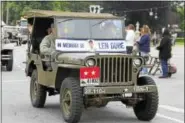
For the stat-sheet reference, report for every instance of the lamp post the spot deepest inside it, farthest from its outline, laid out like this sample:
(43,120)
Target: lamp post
(156,17)
(151,13)
(7,14)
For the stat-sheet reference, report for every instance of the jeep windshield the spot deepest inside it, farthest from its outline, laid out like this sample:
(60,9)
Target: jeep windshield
(23,23)
(102,29)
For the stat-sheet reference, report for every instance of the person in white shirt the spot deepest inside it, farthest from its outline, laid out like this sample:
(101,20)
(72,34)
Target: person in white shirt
(130,38)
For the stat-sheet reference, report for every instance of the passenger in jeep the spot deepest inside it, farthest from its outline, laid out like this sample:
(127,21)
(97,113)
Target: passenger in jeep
(47,46)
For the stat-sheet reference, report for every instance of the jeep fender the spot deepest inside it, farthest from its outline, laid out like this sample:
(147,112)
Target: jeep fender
(29,68)
(64,71)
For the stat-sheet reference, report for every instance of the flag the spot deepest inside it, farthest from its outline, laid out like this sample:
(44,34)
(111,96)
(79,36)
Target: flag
(89,76)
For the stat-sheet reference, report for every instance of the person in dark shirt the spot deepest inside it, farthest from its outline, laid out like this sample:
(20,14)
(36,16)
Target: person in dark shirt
(165,52)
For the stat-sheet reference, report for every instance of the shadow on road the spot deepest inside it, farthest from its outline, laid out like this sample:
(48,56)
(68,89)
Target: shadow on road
(96,115)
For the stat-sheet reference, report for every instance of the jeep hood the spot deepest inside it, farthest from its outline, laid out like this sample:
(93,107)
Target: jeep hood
(8,46)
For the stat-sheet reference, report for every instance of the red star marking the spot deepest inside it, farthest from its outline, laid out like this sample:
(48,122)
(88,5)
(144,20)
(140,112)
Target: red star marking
(85,73)
(89,72)
(93,72)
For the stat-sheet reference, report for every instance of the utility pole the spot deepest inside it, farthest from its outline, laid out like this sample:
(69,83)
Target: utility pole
(2,11)
(7,13)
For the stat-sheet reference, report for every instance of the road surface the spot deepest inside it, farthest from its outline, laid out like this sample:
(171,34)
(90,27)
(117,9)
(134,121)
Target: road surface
(16,105)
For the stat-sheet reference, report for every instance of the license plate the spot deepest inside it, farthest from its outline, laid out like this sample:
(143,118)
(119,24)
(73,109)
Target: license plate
(94,91)
(89,82)
(127,95)
(141,89)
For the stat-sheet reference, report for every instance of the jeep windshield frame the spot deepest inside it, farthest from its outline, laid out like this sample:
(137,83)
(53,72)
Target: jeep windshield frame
(90,28)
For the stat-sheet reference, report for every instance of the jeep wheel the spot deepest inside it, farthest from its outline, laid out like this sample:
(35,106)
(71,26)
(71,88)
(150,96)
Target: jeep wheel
(147,109)
(71,100)
(37,91)
(9,66)
(24,42)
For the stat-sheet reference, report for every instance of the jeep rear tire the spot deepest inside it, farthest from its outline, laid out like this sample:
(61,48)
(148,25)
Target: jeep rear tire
(71,100)
(9,65)
(147,109)
(37,91)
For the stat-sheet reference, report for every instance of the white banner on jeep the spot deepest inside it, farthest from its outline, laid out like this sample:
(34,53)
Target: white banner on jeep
(90,45)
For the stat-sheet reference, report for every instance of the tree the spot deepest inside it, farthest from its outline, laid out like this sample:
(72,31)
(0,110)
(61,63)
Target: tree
(180,11)
(178,7)
(18,8)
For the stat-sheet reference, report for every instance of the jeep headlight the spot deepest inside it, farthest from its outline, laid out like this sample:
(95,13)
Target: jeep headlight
(137,62)
(90,62)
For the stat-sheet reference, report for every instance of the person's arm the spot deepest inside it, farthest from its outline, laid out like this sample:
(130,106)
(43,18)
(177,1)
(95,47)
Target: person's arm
(45,46)
(162,44)
(143,40)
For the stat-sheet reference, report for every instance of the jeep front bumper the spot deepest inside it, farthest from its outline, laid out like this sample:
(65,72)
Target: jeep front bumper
(119,89)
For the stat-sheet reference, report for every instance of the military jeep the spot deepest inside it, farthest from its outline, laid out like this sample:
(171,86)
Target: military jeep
(91,67)
(7,50)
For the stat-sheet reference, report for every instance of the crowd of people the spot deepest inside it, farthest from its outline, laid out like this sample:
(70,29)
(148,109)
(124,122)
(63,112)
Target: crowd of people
(142,45)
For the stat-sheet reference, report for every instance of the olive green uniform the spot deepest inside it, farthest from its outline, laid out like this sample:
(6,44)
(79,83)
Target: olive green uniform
(47,46)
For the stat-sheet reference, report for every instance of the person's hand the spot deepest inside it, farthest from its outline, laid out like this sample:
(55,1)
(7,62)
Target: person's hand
(157,48)
(54,54)
(135,42)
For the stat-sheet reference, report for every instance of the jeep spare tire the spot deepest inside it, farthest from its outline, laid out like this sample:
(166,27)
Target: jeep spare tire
(71,100)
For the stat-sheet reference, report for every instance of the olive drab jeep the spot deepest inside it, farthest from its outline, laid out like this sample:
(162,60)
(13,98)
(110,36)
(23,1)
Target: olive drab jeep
(90,68)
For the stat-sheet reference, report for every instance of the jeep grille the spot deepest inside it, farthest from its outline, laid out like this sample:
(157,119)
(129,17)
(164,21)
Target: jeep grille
(115,70)
(24,31)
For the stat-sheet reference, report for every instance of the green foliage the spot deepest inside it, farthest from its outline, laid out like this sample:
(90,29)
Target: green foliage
(180,40)
(18,8)
(180,11)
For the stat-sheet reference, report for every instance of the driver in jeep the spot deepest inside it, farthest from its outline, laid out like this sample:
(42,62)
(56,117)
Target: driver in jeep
(47,47)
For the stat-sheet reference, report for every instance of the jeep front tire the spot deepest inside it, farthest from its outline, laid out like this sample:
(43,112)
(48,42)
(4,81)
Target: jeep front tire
(9,65)
(37,91)
(71,100)
(147,109)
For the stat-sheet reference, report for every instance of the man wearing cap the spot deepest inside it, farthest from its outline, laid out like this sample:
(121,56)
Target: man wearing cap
(47,46)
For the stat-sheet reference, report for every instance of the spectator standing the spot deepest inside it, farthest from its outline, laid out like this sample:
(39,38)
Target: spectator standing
(130,38)
(165,52)
(144,44)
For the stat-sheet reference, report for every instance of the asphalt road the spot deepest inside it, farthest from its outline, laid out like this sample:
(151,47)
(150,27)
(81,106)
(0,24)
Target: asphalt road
(16,105)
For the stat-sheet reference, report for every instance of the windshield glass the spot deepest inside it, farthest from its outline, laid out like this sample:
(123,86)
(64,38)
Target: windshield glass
(90,28)
(23,23)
